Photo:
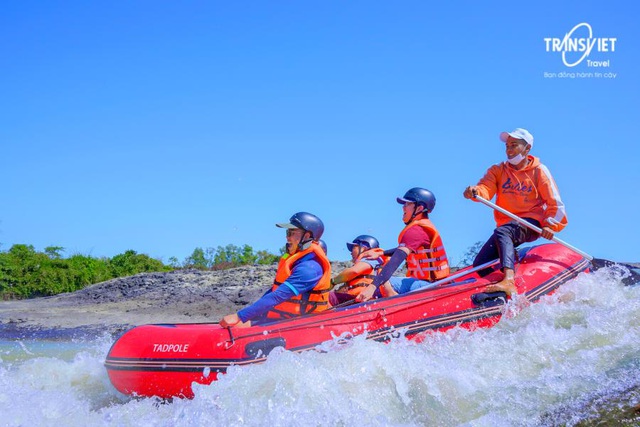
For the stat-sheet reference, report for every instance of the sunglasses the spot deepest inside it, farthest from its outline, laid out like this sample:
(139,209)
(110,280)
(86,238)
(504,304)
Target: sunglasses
(350,246)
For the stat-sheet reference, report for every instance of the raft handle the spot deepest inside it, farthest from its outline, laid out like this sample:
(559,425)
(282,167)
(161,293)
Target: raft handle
(232,340)
(489,299)
(262,348)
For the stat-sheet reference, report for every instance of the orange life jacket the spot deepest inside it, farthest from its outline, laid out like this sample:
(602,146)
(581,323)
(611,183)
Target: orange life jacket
(358,283)
(313,301)
(427,263)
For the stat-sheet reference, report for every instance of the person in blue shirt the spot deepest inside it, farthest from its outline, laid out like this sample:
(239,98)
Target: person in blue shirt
(303,278)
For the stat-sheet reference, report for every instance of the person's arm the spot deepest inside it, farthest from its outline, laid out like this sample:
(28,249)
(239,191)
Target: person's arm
(304,277)
(267,302)
(398,257)
(555,214)
(376,253)
(486,187)
(232,320)
(412,240)
(389,252)
(360,268)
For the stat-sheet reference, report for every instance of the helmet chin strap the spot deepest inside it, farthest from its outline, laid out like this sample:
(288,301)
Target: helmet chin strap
(414,213)
(302,244)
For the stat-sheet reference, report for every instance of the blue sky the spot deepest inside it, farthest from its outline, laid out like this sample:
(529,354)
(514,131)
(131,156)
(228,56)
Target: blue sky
(164,126)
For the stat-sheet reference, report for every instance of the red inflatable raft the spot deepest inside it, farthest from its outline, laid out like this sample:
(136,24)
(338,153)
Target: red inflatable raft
(164,360)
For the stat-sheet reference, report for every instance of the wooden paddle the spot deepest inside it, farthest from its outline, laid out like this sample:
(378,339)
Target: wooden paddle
(596,263)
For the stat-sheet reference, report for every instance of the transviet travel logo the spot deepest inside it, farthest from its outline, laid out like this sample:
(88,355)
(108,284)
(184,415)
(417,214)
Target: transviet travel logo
(579,46)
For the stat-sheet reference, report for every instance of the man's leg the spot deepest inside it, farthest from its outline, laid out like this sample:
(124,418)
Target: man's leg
(488,252)
(387,289)
(508,237)
(401,285)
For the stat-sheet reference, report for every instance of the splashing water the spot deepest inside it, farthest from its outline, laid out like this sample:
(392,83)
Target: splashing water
(542,364)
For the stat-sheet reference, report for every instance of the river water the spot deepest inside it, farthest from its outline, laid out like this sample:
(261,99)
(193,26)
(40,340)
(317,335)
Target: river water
(572,359)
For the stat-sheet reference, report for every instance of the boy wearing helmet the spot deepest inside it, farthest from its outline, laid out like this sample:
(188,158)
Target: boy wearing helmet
(303,278)
(361,273)
(419,243)
(525,187)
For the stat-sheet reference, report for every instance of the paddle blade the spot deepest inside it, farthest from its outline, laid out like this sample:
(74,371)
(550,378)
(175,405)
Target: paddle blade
(632,279)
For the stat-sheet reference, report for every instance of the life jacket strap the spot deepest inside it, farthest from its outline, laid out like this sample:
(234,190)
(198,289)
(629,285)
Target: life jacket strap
(430,250)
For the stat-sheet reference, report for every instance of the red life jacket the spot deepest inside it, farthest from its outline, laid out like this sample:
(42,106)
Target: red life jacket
(427,263)
(313,301)
(358,283)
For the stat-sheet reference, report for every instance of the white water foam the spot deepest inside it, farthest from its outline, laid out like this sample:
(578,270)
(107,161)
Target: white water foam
(543,364)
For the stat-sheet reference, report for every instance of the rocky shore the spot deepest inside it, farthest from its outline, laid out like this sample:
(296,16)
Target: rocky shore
(182,296)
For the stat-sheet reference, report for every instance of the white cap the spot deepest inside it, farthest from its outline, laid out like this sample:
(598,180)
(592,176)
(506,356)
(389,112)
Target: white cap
(518,133)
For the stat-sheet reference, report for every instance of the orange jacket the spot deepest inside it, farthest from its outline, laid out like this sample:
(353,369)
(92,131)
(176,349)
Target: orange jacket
(528,193)
(361,274)
(428,263)
(314,301)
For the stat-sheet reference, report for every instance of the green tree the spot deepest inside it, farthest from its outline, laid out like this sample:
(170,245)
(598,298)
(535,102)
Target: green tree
(470,254)
(266,258)
(228,256)
(20,267)
(54,251)
(84,270)
(197,259)
(247,256)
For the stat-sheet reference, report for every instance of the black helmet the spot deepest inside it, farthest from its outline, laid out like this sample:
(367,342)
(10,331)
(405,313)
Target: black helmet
(323,245)
(364,240)
(307,222)
(419,196)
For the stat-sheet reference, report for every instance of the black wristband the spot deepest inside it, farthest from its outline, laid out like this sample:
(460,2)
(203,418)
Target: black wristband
(389,252)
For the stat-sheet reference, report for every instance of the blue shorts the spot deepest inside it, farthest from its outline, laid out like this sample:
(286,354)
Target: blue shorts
(402,285)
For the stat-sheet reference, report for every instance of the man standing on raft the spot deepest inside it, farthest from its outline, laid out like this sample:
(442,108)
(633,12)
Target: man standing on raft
(525,187)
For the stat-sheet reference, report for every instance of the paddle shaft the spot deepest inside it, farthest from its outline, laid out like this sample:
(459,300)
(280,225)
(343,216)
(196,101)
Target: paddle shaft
(462,273)
(531,226)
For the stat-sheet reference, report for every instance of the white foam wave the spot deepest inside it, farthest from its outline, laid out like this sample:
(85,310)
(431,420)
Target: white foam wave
(541,365)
